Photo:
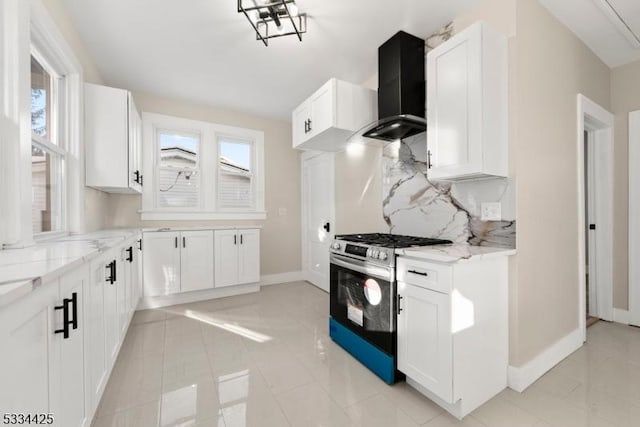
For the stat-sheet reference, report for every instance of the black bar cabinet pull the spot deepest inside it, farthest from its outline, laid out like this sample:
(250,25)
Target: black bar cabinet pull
(429,159)
(130,252)
(115,271)
(310,125)
(184,242)
(111,278)
(140,244)
(419,273)
(235,240)
(65,318)
(399,300)
(74,301)
(137,179)
(241,239)
(175,242)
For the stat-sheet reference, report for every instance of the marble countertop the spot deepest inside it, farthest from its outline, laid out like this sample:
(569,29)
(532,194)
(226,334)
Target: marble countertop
(454,252)
(22,270)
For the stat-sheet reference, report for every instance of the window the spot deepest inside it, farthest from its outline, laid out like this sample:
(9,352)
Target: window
(178,178)
(235,174)
(48,152)
(201,170)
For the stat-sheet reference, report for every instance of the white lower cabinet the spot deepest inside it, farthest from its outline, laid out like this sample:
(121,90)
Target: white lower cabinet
(453,329)
(61,340)
(177,261)
(237,257)
(42,367)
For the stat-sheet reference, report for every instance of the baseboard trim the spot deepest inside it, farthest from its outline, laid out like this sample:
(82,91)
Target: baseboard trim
(274,279)
(195,296)
(621,316)
(519,378)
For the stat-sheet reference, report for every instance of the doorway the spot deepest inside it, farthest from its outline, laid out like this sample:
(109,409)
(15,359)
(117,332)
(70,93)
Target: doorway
(590,247)
(595,206)
(318,213)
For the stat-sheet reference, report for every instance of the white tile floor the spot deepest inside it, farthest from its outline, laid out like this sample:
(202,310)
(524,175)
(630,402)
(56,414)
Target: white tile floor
(265,359)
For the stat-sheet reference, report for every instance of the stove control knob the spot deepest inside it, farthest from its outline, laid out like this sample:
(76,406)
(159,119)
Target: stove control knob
(382,256)
(369,252)
(335,246)
(374,253)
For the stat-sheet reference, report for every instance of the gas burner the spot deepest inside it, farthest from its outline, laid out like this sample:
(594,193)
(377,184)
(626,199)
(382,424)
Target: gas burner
(391,240)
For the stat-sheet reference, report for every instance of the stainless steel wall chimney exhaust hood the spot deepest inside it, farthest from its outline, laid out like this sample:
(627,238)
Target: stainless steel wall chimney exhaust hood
(401,89)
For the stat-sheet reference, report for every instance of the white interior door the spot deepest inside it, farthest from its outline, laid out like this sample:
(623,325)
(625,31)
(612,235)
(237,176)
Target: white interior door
(318,201)
(590,164)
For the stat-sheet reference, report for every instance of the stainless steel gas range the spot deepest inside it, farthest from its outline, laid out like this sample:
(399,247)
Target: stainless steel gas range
(363,298)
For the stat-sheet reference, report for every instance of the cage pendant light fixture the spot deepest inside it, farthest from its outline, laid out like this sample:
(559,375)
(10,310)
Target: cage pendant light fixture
(274,18)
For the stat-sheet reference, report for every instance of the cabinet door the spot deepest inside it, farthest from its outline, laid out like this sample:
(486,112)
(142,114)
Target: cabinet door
(161,263)
(424,339)
(106,135)
(26,331)
(454,106)
(135,146)
(95,344)
(322,109)
(249,256)
(226,258)
(111,303)
(70,407)
(136,274)
(196,260)
(124,290)
(299,123)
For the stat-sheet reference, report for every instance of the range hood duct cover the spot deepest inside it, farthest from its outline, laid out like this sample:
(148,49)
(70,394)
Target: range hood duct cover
(401,89)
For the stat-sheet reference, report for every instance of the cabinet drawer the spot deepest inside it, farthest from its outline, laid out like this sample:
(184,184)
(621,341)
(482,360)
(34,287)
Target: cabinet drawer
(427,275)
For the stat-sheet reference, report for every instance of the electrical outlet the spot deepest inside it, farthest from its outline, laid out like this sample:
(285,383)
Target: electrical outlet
(491,211)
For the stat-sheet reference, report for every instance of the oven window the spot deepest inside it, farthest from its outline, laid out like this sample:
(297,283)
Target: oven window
(363,301)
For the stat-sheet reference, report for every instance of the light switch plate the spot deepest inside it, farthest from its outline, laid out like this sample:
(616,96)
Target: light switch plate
(491,211)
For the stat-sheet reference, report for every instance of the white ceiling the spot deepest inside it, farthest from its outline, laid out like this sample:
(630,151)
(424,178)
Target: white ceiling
(205,52)
(594,22)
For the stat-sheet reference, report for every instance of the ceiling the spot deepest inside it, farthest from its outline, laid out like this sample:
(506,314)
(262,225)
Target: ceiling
(608,27)
(204,51)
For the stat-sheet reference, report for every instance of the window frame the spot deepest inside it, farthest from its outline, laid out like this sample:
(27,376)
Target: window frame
(233,138)
(208,169)
(55,142)
(45,36)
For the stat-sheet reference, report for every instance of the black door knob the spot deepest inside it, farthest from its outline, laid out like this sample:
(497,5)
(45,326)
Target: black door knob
(327,227)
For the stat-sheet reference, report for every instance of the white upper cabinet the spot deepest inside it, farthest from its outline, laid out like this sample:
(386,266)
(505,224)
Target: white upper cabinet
(328,117)
(467,115)
(113,135)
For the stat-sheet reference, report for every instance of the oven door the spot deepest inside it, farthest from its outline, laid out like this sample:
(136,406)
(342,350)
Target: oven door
(363,299)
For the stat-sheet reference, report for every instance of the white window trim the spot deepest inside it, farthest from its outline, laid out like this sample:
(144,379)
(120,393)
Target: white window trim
(51,44)
(208,175)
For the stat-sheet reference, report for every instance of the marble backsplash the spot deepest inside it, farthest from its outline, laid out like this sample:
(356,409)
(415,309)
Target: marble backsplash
(415,206)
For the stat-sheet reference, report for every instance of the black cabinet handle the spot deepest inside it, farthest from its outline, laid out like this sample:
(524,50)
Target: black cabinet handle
(419,273)
(398,303)
(111,278)
(74,302)
(65,318)
(241,239)
(327,227)
(115,271)
(184,242)
(141,184)
(235,239)
(137,177)
(310,125)
(140,244)
(130,252)
(429,159)
(175,242)
(306,126)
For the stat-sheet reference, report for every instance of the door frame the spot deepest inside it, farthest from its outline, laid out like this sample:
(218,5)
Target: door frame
(305,157)
(634,211)
(598,122)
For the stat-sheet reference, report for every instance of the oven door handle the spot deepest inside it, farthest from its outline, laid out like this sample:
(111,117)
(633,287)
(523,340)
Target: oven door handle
(361,267)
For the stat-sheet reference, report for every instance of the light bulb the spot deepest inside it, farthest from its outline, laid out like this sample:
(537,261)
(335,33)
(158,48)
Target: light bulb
(293,10)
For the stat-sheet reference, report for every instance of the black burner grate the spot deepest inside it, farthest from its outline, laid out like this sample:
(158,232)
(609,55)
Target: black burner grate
(391,240)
